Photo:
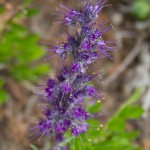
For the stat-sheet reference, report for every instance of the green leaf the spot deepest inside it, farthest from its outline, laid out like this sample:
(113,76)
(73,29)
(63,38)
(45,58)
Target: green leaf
(2,9)
(32,12)
(114,143)
(3,96)
(22,72)
(141,9)
(95,108)
(41,69)
(132,112)
(117,124)
(34,147)
(27,2)
(94,129)
(131,135)
(118,118)
(134,98)
(20,50)
(114,135)
(1,83)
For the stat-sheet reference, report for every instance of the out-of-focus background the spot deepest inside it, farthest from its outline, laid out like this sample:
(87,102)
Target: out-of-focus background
(24,24)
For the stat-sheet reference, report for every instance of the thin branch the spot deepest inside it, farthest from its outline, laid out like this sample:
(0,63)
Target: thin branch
(127,61)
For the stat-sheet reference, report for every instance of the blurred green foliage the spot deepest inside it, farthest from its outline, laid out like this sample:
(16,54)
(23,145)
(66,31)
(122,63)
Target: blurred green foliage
(114,134)
(20,53)
(33,147)
(3,93)
(141,9)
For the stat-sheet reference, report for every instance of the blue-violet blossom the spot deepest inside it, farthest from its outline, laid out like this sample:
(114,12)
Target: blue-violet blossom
(63,99)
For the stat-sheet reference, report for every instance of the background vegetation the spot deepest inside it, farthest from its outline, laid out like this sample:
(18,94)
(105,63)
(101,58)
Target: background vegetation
(124,124)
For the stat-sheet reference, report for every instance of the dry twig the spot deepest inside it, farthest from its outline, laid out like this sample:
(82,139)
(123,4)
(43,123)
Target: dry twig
(131,56)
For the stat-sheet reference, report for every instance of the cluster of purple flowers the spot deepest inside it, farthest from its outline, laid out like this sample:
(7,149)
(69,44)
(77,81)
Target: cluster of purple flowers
(85,16)
(63,100)
(64,105)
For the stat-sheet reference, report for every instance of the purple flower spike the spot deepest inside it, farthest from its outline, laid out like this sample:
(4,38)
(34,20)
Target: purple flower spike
(75,67)
(44,126)
(89,13)
(78,129)
(59,137)
(86,45)
(67,88)
(80,113)
(91,91)
(51,83)
(67,123)
(59,50)
(63,100)
(105,49)
(47,113)
(60,128)
(72,18)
